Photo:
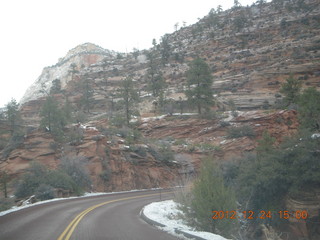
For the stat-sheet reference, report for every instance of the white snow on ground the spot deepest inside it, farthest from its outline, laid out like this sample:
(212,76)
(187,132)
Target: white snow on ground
(184,114)
(147,119)
(26,205)
(166,212)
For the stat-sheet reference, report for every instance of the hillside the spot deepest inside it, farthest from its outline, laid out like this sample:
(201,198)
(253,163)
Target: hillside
(248,62)
(251,51)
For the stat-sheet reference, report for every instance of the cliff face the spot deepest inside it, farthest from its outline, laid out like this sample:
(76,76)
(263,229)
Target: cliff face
(81,56)
(250,51)
(110,162)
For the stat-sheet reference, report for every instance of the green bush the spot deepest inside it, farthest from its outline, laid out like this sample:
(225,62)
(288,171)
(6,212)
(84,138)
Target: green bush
(74,167)
(44,192)
(243,131)
(31,180)
(208,114)
(105,175)
(15,141)
(209,193)
(140,150)
(118,121)
(6,203)
(133,136)
(309,109)
(60,179)
(264,179)
(163,153)
(166,153)
(180,141)
(75,136)
(40,181)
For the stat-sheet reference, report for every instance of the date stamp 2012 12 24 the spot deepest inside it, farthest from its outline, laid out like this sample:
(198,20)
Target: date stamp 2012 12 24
(299,214)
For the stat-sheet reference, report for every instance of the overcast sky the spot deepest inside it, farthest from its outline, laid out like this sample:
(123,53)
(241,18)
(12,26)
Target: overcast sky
(36,33)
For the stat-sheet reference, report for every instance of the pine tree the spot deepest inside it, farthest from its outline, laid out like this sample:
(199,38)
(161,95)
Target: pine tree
(129,96)
(199,82)
(154,75)
(209,194)
(53,118)
(56,86)
(4,182)
(87,94)
(73,70)
(291,89)
(165,49)
(12,116)
(309,109)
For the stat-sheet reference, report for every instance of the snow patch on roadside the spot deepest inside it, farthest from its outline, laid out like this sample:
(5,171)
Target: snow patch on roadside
(26,205)
(166,212)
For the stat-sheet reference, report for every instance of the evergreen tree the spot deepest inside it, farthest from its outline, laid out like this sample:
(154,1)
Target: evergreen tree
(278,4)
(154,75)
(56,86)
(73,70)
(67,110)
(4,182)
(236,4)
(199,82)
(53,118)
(154,44)
(12,116)
(210,194)
(87,94)
(165,49)
(309,109)
(213,19)
(129,96)
(291,89)
(260,4)
(240,21)
(135,53)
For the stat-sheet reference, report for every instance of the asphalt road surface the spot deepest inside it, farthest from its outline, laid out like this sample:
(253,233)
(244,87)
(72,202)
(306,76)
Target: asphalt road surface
(112,217)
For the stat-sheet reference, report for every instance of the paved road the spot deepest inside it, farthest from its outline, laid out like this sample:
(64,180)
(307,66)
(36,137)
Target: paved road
(114,217)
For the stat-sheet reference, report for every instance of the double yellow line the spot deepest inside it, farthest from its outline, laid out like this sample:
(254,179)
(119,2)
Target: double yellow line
(66,234)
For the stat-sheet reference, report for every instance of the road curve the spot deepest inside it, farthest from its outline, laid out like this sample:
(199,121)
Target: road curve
(105,217)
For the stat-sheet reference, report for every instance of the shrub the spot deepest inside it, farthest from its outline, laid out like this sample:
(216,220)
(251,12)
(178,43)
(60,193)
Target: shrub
(105,175)
(208,114)
(60,179)
(263,180)
(6,203)
(133,136)
(41,181)
(243,131)
(224,123)
(208,147)
(44,192)
(75,136)
(163,153)
(75,168)
(208,194)
(167,155)
(31,180)
(15,141)
(180,141)
(309,109)
(140,150)
(118,121)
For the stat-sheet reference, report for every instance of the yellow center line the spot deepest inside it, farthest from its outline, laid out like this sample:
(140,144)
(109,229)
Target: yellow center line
(66,234)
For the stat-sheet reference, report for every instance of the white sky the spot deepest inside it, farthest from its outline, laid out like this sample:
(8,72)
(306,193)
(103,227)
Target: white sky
(36,33)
